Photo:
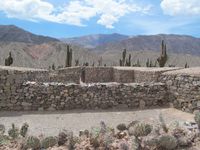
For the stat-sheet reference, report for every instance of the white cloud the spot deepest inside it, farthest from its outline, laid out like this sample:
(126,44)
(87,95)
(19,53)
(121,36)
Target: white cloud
(74,13)
(181,7)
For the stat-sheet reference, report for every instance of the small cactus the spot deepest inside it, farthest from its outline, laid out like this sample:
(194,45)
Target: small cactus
(62,138)
(2,129)
(141,129)
(33,143)
(13,132)
(167,142)
(49,142)
(24,130)
(163,124)
(197,119)
(121,127)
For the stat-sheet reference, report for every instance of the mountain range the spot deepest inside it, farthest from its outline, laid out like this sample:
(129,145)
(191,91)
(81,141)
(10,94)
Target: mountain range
(31,50)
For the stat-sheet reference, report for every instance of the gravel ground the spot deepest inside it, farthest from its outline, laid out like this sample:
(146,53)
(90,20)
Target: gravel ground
(50,123)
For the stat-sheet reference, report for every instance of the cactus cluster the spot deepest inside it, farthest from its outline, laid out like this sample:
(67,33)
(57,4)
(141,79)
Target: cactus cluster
(141,129)
(48,142)
(150,63)
(167,142)
(33,143)
(124,61)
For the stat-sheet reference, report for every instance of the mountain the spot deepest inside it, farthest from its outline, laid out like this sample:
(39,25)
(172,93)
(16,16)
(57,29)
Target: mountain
(43,55)
(181,44)
(92,41)
(11,33)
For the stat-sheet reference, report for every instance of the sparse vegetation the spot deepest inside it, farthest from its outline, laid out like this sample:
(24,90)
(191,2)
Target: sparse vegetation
(141,136)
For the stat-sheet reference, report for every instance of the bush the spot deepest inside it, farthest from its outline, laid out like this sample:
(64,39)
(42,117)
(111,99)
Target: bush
(33,143)
(13,132)
(49,142)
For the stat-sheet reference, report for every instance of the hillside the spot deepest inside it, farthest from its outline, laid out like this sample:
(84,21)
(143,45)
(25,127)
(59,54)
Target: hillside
(180,44)
(43,55)
(92,41)
(11,33)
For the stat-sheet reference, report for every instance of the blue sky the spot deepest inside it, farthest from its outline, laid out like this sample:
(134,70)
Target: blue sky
(69,18)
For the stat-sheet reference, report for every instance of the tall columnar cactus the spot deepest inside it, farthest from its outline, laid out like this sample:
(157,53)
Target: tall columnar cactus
(163,57)
(124,57)
(9,60)
(68,61)
(100,61)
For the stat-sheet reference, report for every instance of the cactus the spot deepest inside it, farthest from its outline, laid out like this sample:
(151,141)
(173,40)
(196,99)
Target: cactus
(2,129)
(100,61)
(121,127)
(76,62)
(24,130)
(62,138)
(48,142)
(167,142)
(33,143)
(163,57)
(186,65)
(197,119)
(68,61)
(13,132)
(53,67)
(141,129)
(9,60)
(163,124)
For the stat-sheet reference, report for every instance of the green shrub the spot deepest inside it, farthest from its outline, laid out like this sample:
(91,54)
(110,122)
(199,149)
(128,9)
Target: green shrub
(24,129)
(49,142)
(13,132)
(33,143)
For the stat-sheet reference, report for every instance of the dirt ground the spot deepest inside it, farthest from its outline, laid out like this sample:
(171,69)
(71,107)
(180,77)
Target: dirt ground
(51,123)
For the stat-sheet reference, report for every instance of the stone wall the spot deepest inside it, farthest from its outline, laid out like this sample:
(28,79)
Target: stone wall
(184,88)
(35,89)
(53,96)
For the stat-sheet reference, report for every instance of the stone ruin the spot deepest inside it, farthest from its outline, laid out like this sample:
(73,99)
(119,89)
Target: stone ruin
(99,88)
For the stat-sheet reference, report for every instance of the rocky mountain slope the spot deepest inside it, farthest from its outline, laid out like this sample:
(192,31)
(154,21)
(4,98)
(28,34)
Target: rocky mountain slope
(11,33)
(92,41)
(175,44)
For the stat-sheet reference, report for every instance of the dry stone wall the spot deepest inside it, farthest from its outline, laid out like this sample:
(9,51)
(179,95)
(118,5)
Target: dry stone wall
(31,89)
(184,90)
(56,96)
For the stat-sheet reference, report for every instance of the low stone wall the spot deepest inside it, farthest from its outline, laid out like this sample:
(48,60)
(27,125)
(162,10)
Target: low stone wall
(98,74)
(184,88)
(44,96)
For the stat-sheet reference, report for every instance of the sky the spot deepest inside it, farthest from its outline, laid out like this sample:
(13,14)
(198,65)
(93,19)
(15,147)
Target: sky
(71,18)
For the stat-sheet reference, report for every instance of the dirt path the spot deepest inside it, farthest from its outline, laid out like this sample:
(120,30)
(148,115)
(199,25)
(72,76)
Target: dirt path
(50,123)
